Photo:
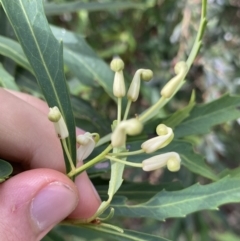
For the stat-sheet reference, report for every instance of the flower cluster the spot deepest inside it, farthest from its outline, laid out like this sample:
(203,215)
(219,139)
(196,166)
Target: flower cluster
(122,126)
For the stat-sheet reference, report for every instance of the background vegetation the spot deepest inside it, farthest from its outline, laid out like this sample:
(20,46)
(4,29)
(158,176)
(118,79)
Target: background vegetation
(151,34)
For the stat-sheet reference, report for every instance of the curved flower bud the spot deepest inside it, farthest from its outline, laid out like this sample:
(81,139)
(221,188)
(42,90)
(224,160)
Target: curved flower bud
(55,116)
(181,70)
(147,75)
(86,147)
(129,127)
(165,137)
(161,160)
(133,91)
(132,126)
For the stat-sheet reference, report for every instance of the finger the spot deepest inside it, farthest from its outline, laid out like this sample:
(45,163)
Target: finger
(27,136)
(33,202)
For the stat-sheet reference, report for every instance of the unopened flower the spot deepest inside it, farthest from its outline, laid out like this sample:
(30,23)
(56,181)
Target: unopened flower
(165,137)
(171,160)
(86,147)
(117,66)
(55,116)
(129,127)
(134,89)
(169,89)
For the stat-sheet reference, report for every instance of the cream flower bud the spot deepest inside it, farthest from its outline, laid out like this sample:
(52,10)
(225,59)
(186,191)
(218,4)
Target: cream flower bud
(119,85)
(118,137)
(147,75)
(174,164)
(161,160)
(132,126)
(128,127)
(160,141)
(133,91)
(59,123)
(181,70)
(86,147)
(117,65)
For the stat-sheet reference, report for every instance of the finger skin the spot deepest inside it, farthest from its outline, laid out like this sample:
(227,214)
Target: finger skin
(16,197)
(28,137)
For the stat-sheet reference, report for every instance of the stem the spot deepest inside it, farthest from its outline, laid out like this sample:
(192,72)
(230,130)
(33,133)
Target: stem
(92,162)
(68,154)
(119,109)
(104,139)
(124,162)
(127,109)
(131,153)
(153,110)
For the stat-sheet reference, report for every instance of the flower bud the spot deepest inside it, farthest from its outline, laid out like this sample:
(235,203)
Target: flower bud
(118,137)
(117,65)
(59,123)
(86,147)
(173,164)
(133,91)
(156,162)
(160,141)
(169,89)
(132,126)
(119,85)
(146,75)
(54,114)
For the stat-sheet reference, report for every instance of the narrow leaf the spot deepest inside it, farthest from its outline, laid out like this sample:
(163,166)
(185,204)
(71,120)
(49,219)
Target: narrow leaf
(90,232)
(203,117)
(78,55)
(181,203)
(180,115)
(6,80)
(44,53)
(13,50)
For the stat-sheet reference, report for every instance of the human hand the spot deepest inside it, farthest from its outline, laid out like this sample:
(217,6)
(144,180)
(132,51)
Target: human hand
(40,195)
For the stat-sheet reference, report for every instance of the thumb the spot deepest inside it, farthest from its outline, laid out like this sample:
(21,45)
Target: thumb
(33,202)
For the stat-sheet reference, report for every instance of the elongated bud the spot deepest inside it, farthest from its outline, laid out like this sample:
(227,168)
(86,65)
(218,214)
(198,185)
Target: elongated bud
(159,161)
(134,89)
(169,89)
(118,137)
(55,116)
(119,89)
(165,137)
(86,147)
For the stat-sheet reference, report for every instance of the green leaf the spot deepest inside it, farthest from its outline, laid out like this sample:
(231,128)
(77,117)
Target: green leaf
(5,170)
(83,62)
(180,115)
(60,8)
(6,80)
(90,232)
(44,53)
(191,160)
(203,117)
(140,191)
(13,50)
(181,203)
(88,118)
